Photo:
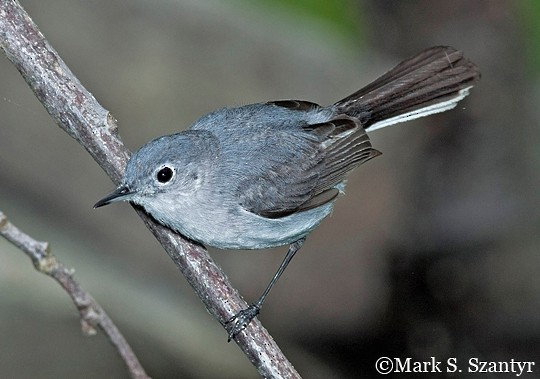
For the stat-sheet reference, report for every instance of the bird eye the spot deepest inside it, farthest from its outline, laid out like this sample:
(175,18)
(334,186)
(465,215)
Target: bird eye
(164,175)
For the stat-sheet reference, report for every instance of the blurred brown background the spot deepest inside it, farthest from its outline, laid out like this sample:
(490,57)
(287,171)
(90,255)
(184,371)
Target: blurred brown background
(433,252)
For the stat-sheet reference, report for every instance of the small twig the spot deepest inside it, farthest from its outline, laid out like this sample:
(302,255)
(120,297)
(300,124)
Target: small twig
(78,113)
(91,313)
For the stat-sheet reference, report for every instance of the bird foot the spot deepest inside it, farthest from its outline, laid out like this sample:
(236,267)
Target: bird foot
(242,319)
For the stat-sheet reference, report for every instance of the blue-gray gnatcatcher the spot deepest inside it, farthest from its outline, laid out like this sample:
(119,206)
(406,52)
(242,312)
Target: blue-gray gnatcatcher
(267,174)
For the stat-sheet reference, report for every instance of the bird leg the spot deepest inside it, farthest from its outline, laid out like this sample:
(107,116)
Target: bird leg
(244,317)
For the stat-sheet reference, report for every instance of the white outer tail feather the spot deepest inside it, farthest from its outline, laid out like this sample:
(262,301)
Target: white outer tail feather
(431,109)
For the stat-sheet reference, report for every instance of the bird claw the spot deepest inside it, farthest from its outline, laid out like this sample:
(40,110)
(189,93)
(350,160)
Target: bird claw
(241,320)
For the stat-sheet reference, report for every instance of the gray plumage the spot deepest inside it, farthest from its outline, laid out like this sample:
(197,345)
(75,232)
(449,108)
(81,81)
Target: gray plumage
(267,174)
(252,177)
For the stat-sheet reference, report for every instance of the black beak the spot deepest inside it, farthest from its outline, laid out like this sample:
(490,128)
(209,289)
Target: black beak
(118,194)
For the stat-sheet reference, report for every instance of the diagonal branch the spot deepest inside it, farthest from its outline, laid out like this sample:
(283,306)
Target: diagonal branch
(78,113)
(90,311)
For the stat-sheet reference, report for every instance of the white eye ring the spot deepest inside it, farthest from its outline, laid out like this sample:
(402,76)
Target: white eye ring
(165,174)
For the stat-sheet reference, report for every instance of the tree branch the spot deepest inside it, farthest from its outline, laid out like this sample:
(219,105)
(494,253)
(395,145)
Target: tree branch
(78,113)
(90,311)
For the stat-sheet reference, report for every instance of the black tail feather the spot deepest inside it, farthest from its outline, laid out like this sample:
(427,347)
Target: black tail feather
(430,82)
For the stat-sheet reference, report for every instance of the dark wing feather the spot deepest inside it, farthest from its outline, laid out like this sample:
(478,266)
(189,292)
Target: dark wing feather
(297,105)
(326,153)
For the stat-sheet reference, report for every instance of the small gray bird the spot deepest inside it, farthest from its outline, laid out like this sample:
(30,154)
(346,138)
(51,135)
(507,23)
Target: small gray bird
(265,175)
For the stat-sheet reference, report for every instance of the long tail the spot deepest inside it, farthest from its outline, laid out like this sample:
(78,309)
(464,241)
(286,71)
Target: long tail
(433,81)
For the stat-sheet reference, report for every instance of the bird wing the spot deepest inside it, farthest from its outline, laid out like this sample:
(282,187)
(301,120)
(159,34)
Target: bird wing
(306,164)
